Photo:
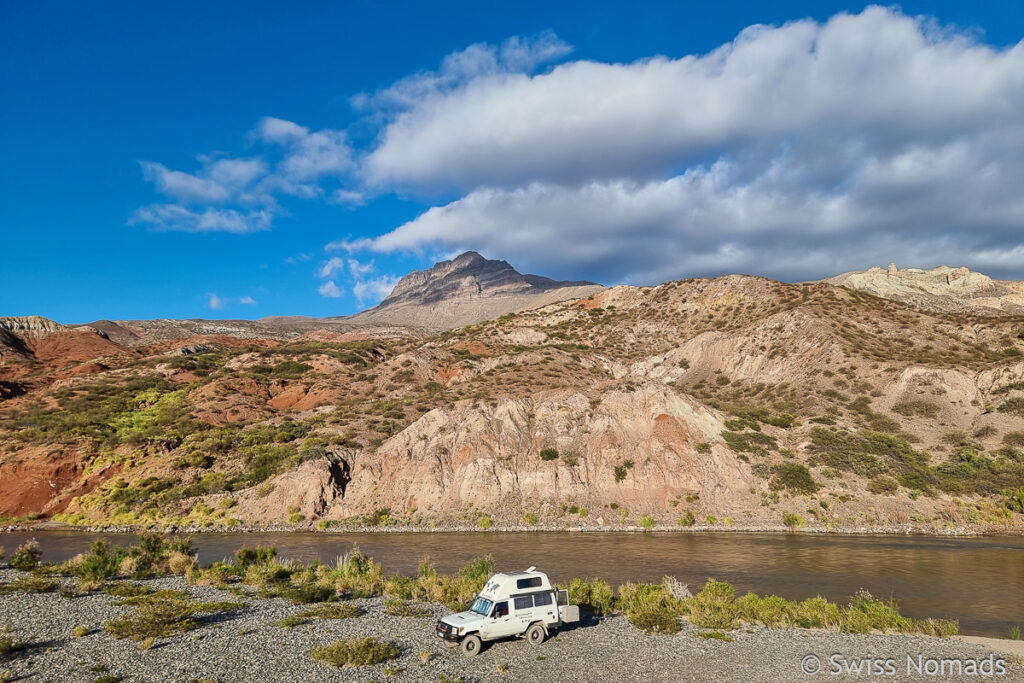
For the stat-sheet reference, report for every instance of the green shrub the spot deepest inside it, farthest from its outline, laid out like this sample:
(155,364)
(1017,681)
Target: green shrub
(290,369)
(916,407)
(157,619)
(865,614)
(245,556)
(883,485)
(529,519)
(714,635)
(713,606)
(689,519)
(1013,500)
(792,520)
(100,564)
(547,454)
(793,477)
(593,594)
(331,610)
(620,473)
(870,454)
(26,556)
(122,589)
(650,607)
(356,652)
(703,447)
(771,611)
(647,522)
(402,608)
(750,442)
(7,643)
(303,594)
(291,621)
(1013,406)
(29,584)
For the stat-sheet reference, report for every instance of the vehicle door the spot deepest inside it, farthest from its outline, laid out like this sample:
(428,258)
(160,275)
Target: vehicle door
(523,612)
(500,624)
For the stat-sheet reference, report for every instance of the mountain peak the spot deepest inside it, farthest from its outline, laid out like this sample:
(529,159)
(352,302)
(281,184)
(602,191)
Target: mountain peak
(467,289)
(469,275)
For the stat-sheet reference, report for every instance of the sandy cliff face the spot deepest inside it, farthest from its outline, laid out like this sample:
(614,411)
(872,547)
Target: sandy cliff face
(488,457)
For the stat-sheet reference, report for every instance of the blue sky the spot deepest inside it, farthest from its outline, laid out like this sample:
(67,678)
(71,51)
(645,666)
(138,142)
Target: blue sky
(219,160)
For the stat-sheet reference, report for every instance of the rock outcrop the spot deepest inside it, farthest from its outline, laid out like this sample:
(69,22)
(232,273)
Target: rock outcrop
(953,290)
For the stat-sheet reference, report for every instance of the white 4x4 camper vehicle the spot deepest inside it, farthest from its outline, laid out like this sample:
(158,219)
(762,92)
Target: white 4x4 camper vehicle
(522,604)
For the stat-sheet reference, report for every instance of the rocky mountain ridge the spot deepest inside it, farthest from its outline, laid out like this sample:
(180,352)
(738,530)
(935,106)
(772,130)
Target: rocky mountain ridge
(728,402)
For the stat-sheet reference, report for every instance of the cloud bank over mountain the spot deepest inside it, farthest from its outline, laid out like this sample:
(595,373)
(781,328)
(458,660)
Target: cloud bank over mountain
(794,151)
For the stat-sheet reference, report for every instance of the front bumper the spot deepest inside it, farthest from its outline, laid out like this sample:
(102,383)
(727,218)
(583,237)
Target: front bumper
(448,632)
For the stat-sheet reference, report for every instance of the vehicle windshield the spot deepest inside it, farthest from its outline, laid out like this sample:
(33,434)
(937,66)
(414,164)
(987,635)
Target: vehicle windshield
(481,606)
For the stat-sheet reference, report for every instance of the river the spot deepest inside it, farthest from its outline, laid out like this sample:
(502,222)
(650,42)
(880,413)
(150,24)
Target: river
(979,581)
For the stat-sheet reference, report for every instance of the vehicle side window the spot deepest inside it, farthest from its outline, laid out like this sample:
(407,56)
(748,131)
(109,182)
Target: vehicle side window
(540,599)
(524,602)
(501,609)
(532,582)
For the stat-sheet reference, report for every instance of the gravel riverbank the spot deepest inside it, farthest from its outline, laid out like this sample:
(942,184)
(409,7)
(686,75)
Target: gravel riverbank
(247,645)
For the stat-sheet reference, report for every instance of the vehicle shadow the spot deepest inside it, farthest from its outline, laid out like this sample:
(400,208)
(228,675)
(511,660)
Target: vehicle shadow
(587,620)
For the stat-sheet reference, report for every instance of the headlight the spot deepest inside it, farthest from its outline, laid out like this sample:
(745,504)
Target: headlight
(458,631)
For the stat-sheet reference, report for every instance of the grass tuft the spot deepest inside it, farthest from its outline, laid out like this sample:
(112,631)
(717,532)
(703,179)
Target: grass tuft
(401,608)
(714,635)
(356,652)
(332,610)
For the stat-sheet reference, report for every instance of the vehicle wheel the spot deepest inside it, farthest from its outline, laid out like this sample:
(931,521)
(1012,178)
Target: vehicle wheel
(535,634)
(471,645)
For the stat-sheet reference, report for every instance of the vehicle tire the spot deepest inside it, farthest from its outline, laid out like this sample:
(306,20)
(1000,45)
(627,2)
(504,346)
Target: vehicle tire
(535,634)
(471,645)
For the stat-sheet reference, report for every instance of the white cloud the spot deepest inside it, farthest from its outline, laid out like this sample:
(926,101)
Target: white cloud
(176,217)
(350,197)
(334,265)
(330,290)
(793,151)
(235,174)
(303,160)
(359,269)
(881,78)
(958,203)
(247,300)
(372,290)
(279,131)
(215,302)
(183,185)
(480,60)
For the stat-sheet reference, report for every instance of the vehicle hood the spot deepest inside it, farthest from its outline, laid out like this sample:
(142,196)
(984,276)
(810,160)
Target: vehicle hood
(463,619)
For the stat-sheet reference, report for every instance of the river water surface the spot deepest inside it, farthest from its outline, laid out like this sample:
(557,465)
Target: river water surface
(979,581)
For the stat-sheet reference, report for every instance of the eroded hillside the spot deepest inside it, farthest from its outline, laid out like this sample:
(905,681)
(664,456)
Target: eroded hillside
(736,401)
